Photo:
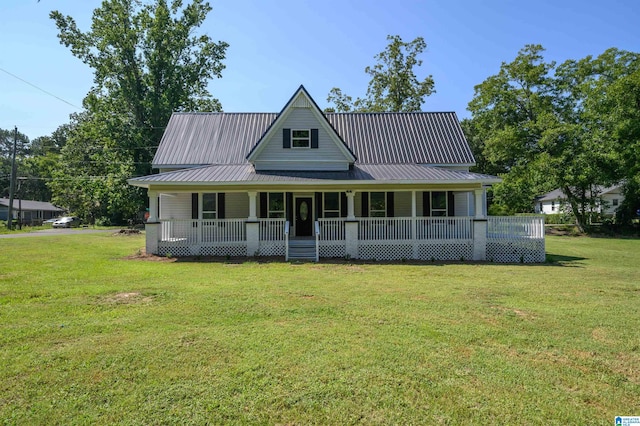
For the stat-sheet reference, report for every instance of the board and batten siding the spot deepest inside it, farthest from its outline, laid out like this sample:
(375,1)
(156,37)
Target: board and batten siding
(275,157)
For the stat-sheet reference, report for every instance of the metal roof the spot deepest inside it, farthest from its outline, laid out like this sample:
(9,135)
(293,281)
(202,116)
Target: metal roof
(30,205)
(364,173)
(559,193)
(434,138)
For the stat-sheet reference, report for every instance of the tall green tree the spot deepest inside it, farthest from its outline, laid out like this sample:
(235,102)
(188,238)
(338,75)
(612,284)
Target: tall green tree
(542,126)
(394,85)
(148,61)
(6,150)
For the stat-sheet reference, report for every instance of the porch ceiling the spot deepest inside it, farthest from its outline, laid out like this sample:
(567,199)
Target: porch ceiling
(360,174)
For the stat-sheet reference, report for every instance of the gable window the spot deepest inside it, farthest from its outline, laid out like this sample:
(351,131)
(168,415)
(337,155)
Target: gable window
(553,206)
(276,205)
(438,203)
(614,202)
(209,205)
(331,205)
(300,138)
(377,204)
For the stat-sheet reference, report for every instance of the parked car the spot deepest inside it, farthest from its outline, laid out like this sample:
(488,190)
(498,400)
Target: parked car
(55,219)
(67,222)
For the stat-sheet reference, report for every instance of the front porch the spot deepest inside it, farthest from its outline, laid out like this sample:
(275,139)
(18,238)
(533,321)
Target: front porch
(496,239)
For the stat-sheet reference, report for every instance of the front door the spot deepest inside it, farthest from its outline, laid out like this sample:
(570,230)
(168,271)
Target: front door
(304,216)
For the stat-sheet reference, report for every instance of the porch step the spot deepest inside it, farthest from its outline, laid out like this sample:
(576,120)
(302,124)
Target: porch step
(302,250)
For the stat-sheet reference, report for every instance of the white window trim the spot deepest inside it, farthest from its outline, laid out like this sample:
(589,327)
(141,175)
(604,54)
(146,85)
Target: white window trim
(284,205)
(308,138)
(446,205)
(201,204)
(339,211)
(371,210)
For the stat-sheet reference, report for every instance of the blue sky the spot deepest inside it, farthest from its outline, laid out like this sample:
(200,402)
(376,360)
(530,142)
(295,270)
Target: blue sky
(277,45)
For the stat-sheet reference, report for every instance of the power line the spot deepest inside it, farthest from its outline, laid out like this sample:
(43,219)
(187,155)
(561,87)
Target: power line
(39,88)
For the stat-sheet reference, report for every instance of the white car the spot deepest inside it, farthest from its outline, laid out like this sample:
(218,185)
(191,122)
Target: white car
(67,222)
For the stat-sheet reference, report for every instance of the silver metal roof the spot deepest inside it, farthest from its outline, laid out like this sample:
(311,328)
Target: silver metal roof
(559,193)
(31,205)
(364,173)
(434,138)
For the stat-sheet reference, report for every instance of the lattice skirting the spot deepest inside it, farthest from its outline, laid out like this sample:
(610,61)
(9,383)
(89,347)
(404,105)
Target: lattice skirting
(385,250)
(236,250)
(523,250)
(446,250)
(270,249)
(332,249)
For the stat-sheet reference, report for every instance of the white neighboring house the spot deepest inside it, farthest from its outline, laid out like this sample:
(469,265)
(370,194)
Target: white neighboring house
(556,201)
(305,184)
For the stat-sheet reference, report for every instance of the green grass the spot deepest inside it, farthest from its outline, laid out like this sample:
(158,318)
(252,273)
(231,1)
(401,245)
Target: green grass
(87,337)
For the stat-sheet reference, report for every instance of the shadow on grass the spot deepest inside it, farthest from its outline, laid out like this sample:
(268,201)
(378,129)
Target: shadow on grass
(551,260)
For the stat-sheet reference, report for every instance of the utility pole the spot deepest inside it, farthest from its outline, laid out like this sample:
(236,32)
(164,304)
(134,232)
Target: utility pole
(12,179)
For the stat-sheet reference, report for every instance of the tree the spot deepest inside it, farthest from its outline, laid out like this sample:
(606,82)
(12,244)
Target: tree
(543,127)
(6,150)
(148,61)
(393,85)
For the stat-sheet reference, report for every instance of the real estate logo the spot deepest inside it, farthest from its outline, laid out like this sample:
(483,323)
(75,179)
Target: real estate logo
(627,421)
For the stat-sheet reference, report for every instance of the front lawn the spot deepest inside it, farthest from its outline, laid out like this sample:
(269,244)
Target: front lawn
(88,337)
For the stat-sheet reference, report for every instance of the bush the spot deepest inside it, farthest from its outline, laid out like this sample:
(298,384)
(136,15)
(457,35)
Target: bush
(559,219)
(103,221)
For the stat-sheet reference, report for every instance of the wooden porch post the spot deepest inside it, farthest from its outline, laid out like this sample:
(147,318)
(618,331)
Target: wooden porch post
(152,226)
(252,205)
(351,228)
(479,227)
(252,227)
(414,227)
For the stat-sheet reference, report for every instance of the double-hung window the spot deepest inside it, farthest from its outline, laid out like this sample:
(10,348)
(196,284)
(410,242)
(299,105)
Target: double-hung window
(438,203)
(331,205)
(300,138)
(377,204)
(209,205)
(276,205)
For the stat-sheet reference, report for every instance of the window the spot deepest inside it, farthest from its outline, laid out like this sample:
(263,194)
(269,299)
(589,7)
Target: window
(300,139)
(439,203)
(553,206)
(331,206)
(209,206)
(276,205)
(377,204)
(614,202)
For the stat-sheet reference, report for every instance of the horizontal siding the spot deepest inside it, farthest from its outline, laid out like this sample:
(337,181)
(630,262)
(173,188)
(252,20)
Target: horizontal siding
(236,205)
(273,154)
(316,166)
(175,206)
(402,204)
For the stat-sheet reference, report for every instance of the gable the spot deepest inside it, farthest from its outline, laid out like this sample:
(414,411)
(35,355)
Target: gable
(301,138)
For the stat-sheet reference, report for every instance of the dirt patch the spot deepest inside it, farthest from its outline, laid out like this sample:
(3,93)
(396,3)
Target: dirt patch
(127,298)
(125,232)
(141,254)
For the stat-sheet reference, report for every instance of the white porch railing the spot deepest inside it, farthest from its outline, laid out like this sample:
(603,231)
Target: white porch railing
(444,228)
(272,229)
(393,228)
(515,227)
(331,229)
(190,232)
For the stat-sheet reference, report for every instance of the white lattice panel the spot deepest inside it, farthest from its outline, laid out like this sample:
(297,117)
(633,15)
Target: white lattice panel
(229,250)
(462,251)
(385,251)
(525,250)
(271,249)
(332,250)
(174,251)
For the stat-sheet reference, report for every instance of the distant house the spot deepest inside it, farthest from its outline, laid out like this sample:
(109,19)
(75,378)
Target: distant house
(306,184)
(31,212)
(556,201)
